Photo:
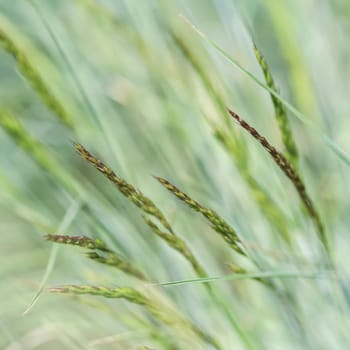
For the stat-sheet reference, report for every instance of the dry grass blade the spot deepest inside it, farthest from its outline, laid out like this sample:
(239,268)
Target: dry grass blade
(280,112)
(291,173)
(217,223)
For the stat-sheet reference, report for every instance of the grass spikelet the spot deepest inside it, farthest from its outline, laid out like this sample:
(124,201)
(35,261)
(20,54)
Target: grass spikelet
(280,112)
(112,258)
(217,223)
(34,78)
(178,244)
(291,173)
(129,294)
(156,309)
(129,191)
(81,241)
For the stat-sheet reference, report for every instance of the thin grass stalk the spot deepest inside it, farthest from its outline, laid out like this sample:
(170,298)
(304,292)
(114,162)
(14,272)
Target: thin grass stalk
(240,270)
(179,245)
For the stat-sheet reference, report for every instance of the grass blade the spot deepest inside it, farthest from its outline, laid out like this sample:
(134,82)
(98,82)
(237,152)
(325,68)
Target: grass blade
(237,276)
(68,218)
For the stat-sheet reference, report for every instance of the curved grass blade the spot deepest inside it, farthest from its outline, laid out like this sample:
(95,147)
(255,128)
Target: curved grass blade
(68,218)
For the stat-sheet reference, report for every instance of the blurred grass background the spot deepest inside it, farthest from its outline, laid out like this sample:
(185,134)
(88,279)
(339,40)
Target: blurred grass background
(147,94)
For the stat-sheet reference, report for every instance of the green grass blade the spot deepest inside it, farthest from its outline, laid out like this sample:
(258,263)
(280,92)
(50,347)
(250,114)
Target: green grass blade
(258,275)
(67,220)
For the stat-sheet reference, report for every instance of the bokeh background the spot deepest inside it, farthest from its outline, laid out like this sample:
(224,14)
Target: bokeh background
(145,92)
